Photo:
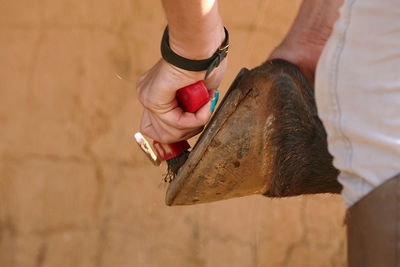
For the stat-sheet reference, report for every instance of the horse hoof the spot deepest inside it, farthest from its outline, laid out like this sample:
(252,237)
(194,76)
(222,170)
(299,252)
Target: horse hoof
(265,138)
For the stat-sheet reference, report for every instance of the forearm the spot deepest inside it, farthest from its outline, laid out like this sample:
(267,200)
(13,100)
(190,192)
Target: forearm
(195,27)
(314,22)
(306,38)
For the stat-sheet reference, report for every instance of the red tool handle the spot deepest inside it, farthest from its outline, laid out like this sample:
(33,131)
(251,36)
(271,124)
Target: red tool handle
(190,98)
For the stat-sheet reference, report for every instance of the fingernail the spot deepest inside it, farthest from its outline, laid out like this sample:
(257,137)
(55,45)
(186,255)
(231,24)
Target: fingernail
(214,101)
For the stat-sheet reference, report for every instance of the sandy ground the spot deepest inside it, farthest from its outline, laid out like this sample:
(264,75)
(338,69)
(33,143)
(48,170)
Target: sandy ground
(76,191)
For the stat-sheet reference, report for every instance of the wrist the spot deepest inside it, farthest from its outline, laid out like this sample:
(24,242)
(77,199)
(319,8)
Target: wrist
(301,50)
(313,26)
(196,43)
(208,64)
(308,35)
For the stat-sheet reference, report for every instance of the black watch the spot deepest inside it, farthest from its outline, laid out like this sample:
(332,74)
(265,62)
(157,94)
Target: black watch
(208,64)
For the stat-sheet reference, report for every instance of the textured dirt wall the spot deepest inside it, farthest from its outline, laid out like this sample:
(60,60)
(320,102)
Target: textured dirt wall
(74,188)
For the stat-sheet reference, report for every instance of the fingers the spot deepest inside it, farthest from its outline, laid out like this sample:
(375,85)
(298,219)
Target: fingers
(175,125)
(184,120)
(146,126)
(162,119)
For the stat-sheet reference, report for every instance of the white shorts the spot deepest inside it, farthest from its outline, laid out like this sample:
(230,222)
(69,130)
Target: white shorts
(358,94)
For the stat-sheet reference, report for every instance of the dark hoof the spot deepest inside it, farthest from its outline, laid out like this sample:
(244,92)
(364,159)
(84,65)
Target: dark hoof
(265,138)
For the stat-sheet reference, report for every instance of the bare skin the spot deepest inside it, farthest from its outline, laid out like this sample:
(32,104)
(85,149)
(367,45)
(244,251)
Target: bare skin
(196,32)
(306,38)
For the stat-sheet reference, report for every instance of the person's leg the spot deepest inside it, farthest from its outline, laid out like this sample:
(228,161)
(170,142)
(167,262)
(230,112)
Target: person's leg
(373,227)
(358,94)
(358,99)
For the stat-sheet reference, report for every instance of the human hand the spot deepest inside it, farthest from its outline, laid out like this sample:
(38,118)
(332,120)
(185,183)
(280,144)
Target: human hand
(302,55)
(163,120)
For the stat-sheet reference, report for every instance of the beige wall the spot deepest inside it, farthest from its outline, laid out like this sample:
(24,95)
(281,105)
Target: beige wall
(74,188)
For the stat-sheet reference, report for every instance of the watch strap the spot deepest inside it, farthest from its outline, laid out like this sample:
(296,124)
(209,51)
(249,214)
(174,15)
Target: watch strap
(208,64)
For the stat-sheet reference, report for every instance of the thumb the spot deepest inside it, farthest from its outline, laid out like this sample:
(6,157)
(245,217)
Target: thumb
(204,113)
(213,81)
